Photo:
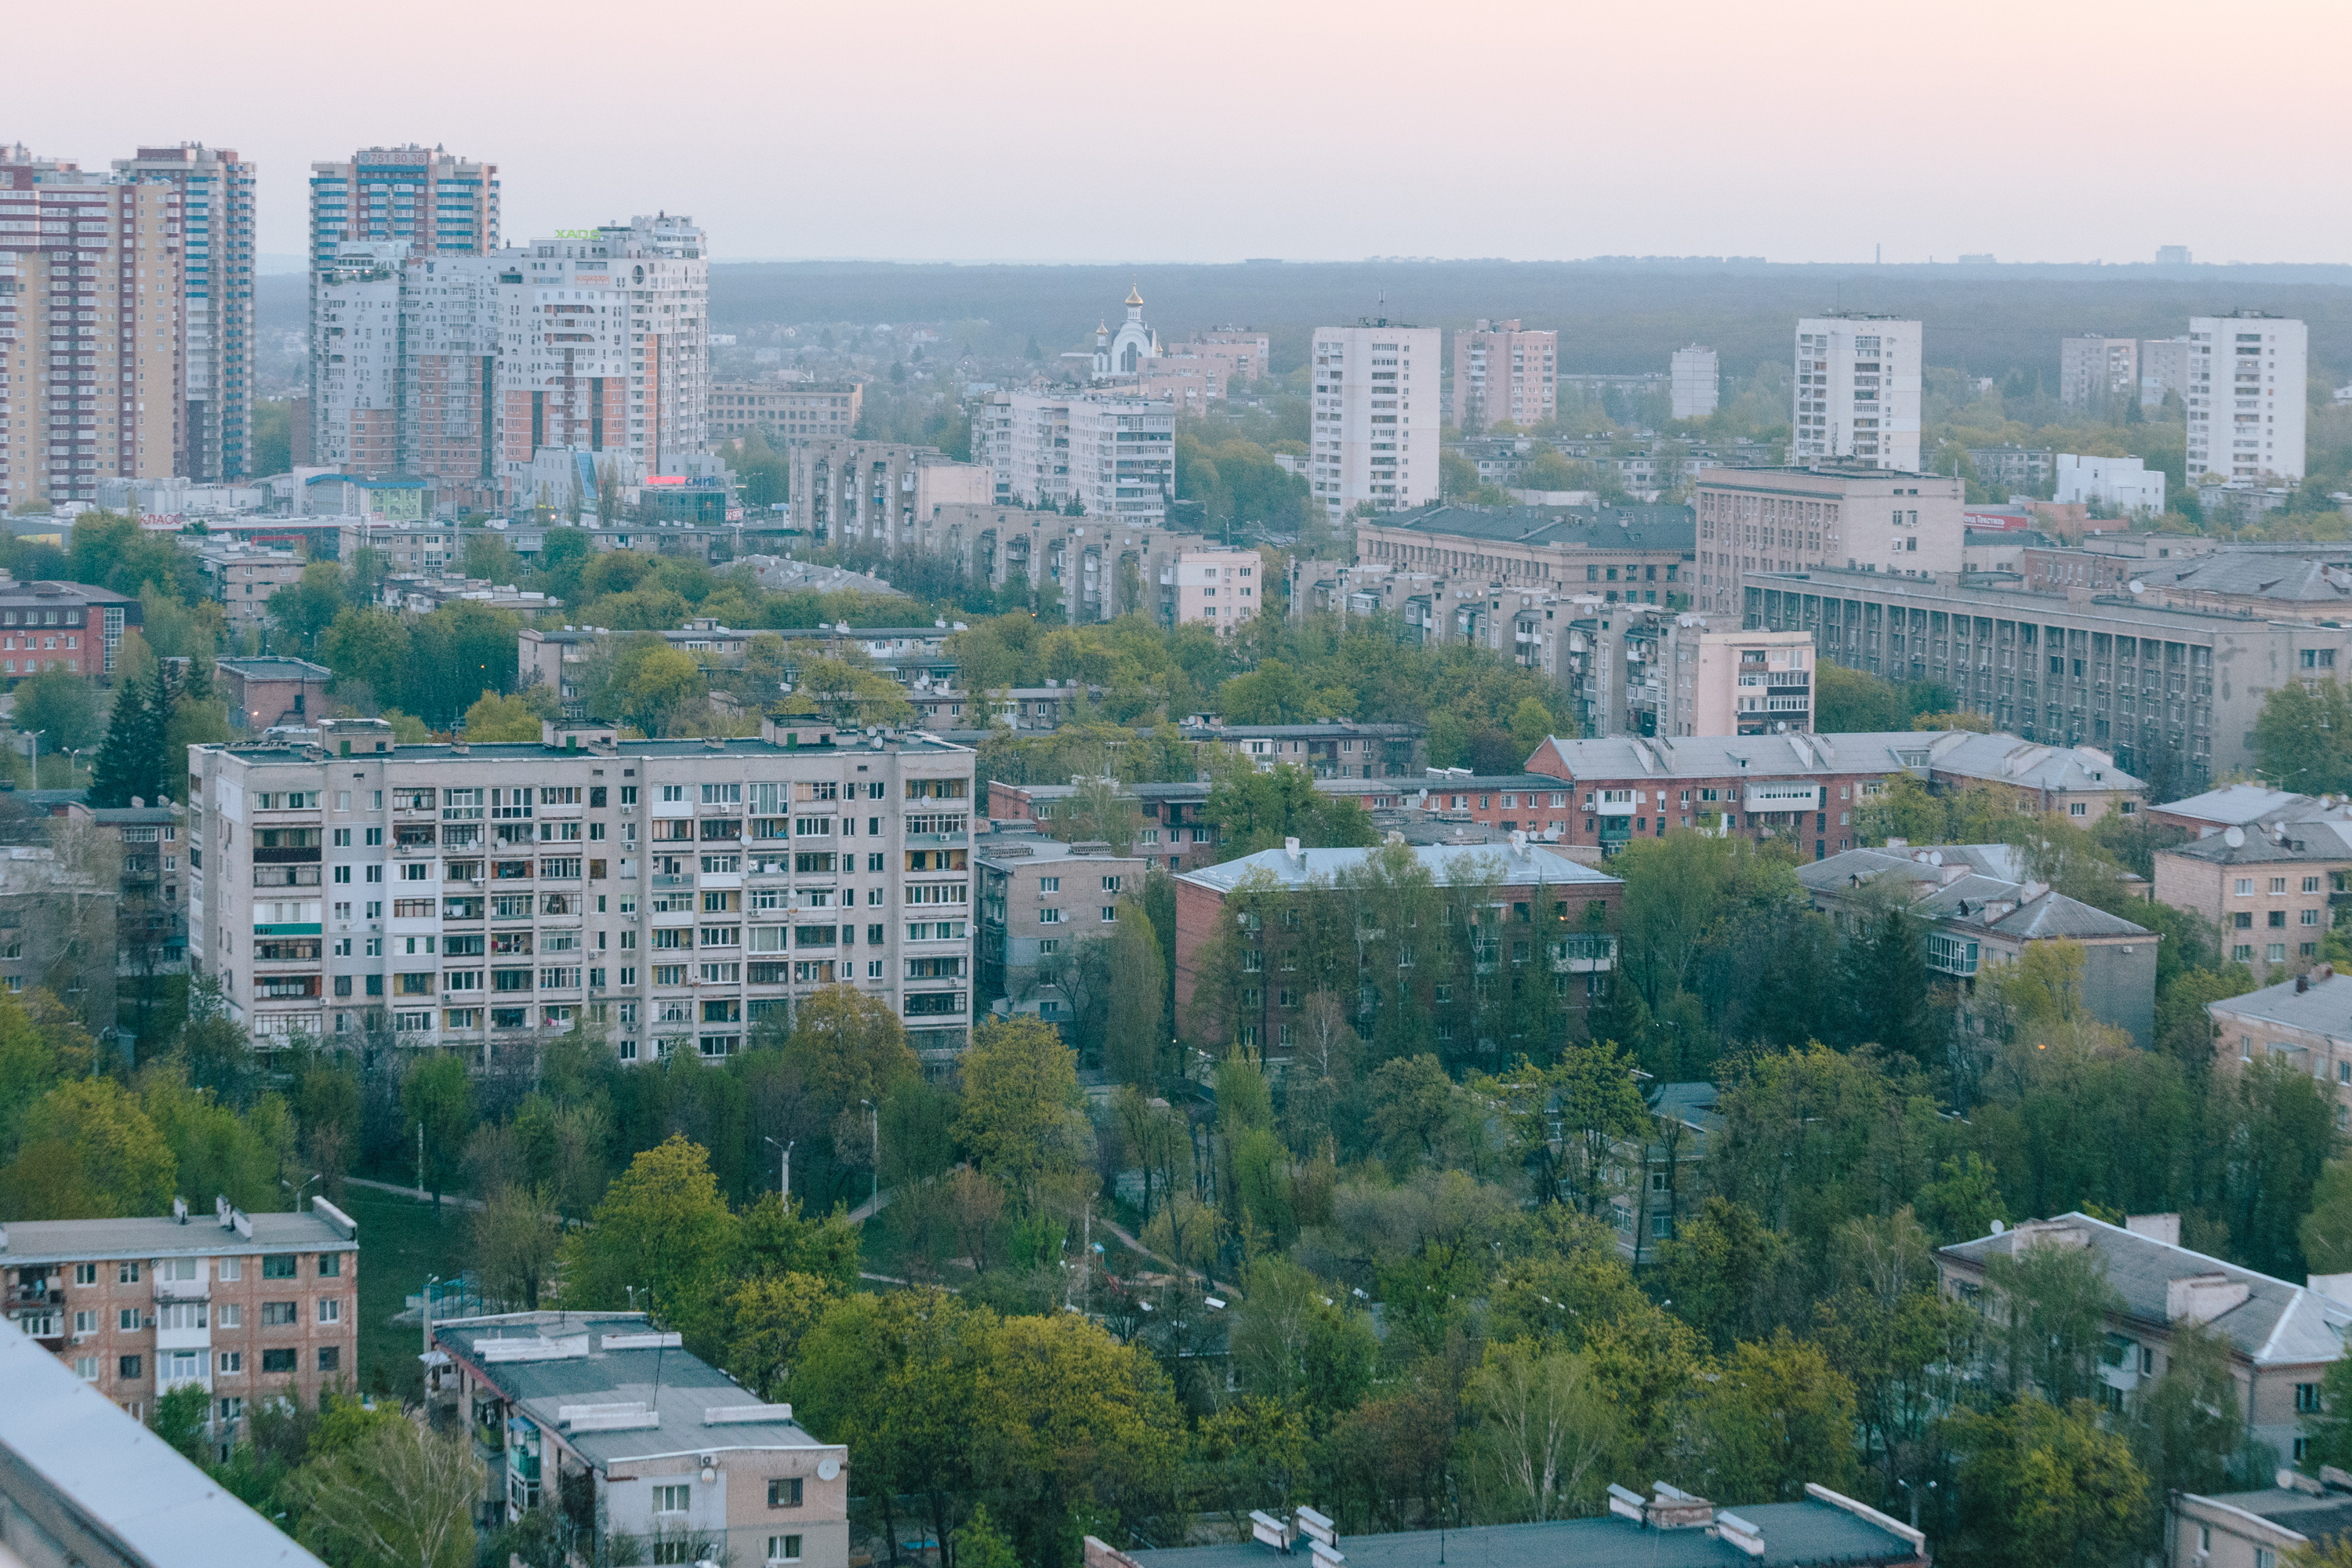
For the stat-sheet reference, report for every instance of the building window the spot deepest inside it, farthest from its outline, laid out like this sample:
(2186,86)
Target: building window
(671,1499)
(2307,1398)
(330,1358)
(126,1366)
(278,1265)
(784,1492)
(784,1549)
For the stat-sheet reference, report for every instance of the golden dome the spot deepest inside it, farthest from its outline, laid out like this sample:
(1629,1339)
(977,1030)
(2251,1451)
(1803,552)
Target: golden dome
(1134,296)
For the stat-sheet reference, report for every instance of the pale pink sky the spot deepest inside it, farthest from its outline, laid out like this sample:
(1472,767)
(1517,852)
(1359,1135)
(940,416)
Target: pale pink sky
(1048,129)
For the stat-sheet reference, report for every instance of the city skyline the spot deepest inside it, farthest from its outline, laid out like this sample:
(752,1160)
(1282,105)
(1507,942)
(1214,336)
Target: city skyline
(1950,180)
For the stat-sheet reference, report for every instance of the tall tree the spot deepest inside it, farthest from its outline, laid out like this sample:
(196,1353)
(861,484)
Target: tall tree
(1139,999)
(663,1238)
(131,761)
(1021,1114)
(2038,1484)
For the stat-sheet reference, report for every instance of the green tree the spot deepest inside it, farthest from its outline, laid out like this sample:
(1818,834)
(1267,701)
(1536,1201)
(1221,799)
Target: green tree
(2055,1305)
(1850,701)
(1023,1114)
(1777,1416)
(436,1098)
(1717,1268)
(515,1240)
(664,1232)
(494,718)
(183,1420)
(2326,1231)
(86,1149)
(1257,810)
(303,609)
(2304,737)
(368,648)
(60,708)
(1544,1434)
(2188,1433)
(130,761)
(770,1317)
(2041,1485)
(979,1545)
(1132,1046)
(402,1496)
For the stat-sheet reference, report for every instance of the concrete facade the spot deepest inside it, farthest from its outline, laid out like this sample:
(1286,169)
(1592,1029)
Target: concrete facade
(2247,397)
(1505,375)
(1376,418)
(1038,899)
(872,491)
(2271,893)
(1857,391)
(668,893)
(1792,520)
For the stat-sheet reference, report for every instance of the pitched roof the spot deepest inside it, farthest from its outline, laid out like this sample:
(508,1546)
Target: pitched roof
(2293,580)
(1953,883)
(2277,1323)
(2315,1004)
(2006,759)
(1506,864)
(1739,756)
(2234,805)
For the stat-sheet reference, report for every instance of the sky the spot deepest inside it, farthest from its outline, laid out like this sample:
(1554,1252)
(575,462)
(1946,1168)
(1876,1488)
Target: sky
(1826,131)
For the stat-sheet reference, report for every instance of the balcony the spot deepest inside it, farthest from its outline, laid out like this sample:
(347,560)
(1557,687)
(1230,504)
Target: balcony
(1584,954)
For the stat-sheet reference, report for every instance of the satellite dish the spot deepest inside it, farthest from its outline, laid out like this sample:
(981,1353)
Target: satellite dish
(2235,837)
(2137,586)
(1935,857)
(826,1469)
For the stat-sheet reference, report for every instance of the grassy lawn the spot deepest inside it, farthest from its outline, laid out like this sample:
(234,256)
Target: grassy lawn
(401,1242)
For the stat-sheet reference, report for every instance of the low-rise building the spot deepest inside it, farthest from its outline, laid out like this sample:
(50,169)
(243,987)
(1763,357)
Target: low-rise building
(1875,520)
(1546,910)
(1800,787)
(240,577)
(1038,899)
(2305,1022)
(2081,783)
(784,409)
(2270,888)
(61,626)
(675,1456)
(1338,748)
(2122,487)
(1220,588)
(1983,912)
(2281,1337)
(2259,1529)
(273,690)
(250,1308)
(1667,1528)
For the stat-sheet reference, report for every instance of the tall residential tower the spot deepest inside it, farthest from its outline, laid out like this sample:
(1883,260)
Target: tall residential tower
(429,204)
(1502,373)
(2246,396)
(1857,391)
(216,198)
(1376,410)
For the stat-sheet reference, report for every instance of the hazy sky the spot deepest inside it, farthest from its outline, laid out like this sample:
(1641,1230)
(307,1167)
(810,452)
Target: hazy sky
(1047,130)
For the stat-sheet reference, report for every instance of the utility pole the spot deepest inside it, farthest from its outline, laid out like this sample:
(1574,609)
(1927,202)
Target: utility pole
(874,1189)
(420,1156)
(784,1180)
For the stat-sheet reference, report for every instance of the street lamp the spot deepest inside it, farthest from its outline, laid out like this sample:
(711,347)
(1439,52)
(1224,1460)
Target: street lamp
(873,1188)
(298,1191)
(786,1179)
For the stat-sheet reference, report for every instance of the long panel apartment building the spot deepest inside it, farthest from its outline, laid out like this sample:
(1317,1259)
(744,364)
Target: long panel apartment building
(2172,692)
(670,894)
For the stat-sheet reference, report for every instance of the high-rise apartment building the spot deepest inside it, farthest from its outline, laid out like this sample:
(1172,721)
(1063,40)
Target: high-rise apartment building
(1375,421)
(92,286)
(2246,396)
(216,202)
(1504,374)
(1857,391)
(2163,367)
(1114,455)
(2093,370)
(1697,382)
(355,357)
(669,894)
(426,202)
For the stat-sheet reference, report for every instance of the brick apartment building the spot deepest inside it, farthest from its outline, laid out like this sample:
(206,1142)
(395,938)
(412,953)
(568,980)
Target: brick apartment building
(273,690)
(247,1307)
(61,626)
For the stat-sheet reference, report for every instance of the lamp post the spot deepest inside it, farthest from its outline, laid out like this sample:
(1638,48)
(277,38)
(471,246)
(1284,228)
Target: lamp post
(785,1179)
(873,1188)
(298,1191)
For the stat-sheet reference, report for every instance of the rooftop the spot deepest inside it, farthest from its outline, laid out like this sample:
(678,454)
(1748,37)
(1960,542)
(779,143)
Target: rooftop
(1511,864)
(1749,756)
(2319,1002)
(1304,731)
(2236,804)
(2314,838)
(274,667)
(2288,579)
(2120,608)
(1618,527)
(1794,1534)
(2321,1516)
(199,1236)
(1030,848)
(612,1388)
(83,1467)
(2006,759)
(1980,885)
(2272,1322)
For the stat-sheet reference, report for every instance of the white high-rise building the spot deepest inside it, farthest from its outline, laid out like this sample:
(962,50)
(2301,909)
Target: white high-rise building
(2246,392)
(1697,381)
(1115,455)
(355,357)
(1857,391)
(1376,416)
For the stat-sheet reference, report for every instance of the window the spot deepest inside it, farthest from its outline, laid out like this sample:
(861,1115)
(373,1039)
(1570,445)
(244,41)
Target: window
(126,1274)
(85,1322)
(231,1362)
(126,1366)
(2278,884)
(1110,913)
(2077,808)
(126,1318)
(330,1357)
(2245,887)
(85,1368)
(671,1499)
(229,1268)
(784,1492)
(2307,1398)
(87,1274)
(785,1548)
(331,1309)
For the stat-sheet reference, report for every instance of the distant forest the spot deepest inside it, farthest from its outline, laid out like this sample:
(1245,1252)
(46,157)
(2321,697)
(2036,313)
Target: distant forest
(1618,317)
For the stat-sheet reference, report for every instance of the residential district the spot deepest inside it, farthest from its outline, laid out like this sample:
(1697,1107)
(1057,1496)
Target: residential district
(853,943)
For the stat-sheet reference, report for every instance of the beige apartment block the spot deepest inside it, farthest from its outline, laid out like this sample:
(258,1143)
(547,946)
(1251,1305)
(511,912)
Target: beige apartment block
(1793,519)
(669,895)
(2269,886)
(1504,374)
(1222,588)
(1740,683)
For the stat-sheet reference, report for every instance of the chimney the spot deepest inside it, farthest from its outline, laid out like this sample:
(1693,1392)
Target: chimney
(1290,848)
(2201,1298)
(2163,1227)
(1671,1507)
